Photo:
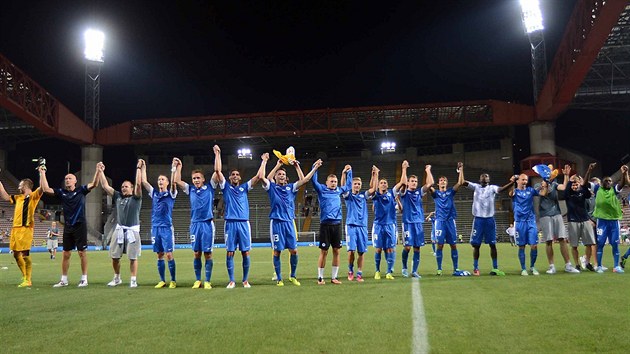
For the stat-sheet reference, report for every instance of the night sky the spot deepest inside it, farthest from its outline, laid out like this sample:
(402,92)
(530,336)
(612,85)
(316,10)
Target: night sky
(167,59)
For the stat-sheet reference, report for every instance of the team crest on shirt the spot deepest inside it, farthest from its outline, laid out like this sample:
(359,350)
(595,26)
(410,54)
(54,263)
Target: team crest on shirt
(240,189)
(204,188)
(416,193)
(288,188)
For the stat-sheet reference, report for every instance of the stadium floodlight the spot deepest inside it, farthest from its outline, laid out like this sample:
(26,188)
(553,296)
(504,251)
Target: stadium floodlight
(532,16)
(94,43)
(388,146)
(244,153)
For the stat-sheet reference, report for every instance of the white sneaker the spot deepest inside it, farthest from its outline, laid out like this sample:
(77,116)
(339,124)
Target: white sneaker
(133,284)
(570,269)
(603,268)
(551,270)
(82,284)
(599,269)
(246,284)
(583,262)
(231,285)
(115,282)
(534,271)
(60,284)
(274,277)
(524,272)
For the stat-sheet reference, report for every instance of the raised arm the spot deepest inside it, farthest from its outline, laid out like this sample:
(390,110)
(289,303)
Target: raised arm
(137,186)
(3,193)
(625,178)
(403,176)
(513,183)
(373,180)
(544,188)
(587,175)
(95,179)
(143,178)
(217,176)
(275,169)
(508,185)
(566,171)
(308,177)
(177,179)
(106,187)
(43,182)
(261,170)
(346,177)
(430,181)
(460,177)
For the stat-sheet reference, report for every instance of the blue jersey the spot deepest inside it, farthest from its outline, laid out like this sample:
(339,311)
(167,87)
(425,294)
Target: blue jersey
(356,208)
(329,202)
(73,203)
(162,213)
(235,200)
(282,199)
(384,207)
(523,204)
(201,200)
(412,206)
(444,204)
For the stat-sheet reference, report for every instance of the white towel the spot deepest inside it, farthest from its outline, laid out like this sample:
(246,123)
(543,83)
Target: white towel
(121,232)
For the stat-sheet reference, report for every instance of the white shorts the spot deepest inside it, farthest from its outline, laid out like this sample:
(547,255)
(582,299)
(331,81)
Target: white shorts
(116,250)
(52,244)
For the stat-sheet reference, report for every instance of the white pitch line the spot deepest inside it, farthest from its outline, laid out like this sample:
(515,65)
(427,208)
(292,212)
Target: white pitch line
(420,342)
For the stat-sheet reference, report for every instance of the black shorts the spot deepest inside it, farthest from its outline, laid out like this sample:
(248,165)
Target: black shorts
(75,236)
(329,235)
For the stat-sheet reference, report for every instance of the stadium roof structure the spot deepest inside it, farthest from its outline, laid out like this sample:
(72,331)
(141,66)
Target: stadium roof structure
(607,84)
(590,70)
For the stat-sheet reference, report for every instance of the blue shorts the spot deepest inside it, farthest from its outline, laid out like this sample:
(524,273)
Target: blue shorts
(413,234)
(283,235)
(356,238)
(384,236)
(526,233)
(607,230)
(484,229)
(202,236)
(238,234)
(445,232)
(162,238)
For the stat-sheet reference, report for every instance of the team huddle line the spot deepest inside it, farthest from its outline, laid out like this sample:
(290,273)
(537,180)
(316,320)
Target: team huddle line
(593,212)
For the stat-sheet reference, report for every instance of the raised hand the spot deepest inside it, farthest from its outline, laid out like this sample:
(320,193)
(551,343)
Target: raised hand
(405,164)
(265,156)
(566,170)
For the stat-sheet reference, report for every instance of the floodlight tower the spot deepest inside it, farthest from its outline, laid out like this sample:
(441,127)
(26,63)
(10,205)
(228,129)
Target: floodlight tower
(94,42)
(533,23)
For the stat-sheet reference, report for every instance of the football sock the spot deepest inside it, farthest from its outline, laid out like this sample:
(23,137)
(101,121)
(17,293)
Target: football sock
(161,268)
(533,254)
(229,263)
(405,257)
(294,262)
(246,262)
(377,261)
(615,252)
(276,266)
(171,269)
(455,258)
(416,261)
(28,266)
(210,264)
(197,268)
(438,257)
(521,257)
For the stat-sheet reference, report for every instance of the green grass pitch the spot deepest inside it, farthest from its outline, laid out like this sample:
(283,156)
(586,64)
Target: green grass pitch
(562,313)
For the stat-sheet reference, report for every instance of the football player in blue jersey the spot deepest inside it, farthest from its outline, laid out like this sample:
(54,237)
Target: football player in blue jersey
(413,216)
(282,227)
(330,222)
(202,230)
(384,228)
(526,232)
(445,215)
(237,229)
(356,223)
(162,235)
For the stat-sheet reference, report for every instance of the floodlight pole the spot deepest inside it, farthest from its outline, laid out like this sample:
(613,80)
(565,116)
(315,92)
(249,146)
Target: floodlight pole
(539,61)
(92,93)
